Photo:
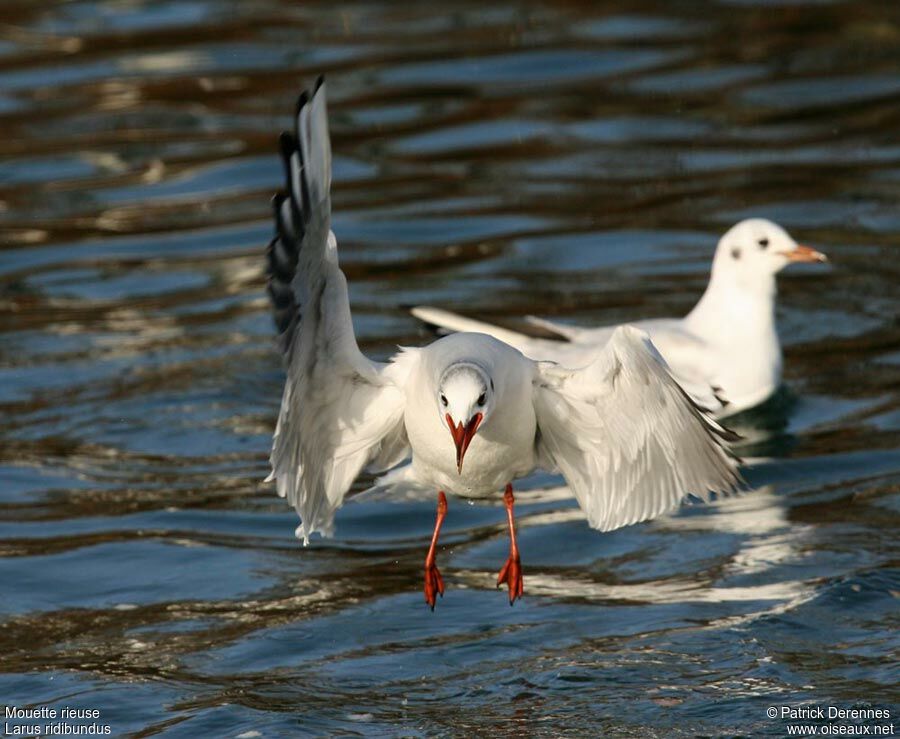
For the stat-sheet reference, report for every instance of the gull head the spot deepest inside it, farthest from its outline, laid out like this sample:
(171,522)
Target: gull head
(755,250)
(465,397)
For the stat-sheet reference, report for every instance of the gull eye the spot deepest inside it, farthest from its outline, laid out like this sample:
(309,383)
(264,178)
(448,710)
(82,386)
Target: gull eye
(763,243)
(481,399)
(443,400)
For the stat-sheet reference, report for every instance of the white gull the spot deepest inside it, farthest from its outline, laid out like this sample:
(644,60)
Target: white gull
(472,412)
(725,352)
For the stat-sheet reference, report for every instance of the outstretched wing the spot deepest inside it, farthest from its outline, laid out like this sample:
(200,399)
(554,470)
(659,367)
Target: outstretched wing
(690,359)
(629,441)
(572,346)
(340,411)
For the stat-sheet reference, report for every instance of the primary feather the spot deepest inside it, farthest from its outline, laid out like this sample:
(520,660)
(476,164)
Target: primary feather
(340,411)
(625,436)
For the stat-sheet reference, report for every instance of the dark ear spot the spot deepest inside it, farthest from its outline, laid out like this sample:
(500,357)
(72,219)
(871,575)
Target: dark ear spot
(763,243)
(735,252)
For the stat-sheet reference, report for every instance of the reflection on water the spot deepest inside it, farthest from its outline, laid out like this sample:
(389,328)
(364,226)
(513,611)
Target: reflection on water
(563,160)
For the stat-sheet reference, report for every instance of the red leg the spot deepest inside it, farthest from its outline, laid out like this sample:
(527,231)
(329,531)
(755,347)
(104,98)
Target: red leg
(511,573)
(434,583)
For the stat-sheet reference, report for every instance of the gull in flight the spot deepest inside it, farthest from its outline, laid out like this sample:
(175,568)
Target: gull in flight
(725,352)
(472,412)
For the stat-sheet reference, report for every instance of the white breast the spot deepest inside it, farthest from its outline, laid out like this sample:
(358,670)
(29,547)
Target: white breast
(503,448)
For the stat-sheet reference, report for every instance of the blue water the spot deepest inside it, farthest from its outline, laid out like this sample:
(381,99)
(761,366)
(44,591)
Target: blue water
(556,159)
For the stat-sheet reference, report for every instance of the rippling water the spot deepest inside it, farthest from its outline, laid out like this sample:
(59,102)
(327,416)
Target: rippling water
(562,159)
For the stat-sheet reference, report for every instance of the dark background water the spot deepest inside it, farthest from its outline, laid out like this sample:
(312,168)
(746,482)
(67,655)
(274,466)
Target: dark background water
(568,159)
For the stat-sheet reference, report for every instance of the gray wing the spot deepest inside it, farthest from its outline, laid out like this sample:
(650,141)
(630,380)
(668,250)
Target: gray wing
(340,411)
(629,441)
(690,359)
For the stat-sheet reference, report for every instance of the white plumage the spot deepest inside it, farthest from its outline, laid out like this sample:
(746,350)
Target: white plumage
(725,352)
(472,412)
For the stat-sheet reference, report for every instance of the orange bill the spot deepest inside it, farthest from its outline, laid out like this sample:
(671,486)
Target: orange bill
(462,436)
(805,254)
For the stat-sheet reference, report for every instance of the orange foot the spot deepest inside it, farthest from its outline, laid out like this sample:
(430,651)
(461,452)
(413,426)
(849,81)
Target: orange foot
(434,584)
(511,574)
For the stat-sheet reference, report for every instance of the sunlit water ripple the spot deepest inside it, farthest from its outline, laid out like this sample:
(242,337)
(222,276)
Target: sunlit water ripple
(559,159)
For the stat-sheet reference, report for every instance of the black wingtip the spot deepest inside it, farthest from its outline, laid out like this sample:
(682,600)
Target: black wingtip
(306,96)
(719,395)
(280,292)
(287,144)
(302,100)
(730,435)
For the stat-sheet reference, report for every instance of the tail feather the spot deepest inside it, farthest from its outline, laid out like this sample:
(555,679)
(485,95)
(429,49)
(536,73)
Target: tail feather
(454,322)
